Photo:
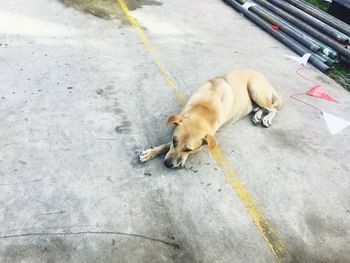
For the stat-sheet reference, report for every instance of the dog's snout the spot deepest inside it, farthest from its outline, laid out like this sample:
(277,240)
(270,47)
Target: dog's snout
(168,164)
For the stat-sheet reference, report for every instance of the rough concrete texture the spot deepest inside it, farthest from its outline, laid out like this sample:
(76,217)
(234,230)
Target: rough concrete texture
(80,97)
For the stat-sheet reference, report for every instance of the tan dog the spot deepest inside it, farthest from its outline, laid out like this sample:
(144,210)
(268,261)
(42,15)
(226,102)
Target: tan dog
(225,98)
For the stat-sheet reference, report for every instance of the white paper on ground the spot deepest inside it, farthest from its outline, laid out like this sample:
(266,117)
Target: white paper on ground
(335,124)
(301,60)
(247,5)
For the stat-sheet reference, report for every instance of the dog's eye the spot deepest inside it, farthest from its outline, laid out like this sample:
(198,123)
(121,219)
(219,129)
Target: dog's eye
(174,141)
(187,150)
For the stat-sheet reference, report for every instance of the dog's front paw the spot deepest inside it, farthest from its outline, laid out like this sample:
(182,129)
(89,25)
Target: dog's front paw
(147,155)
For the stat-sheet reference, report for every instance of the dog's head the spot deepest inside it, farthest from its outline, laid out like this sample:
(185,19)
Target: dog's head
(189,137)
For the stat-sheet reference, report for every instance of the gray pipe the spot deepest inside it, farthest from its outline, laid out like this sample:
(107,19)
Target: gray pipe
(326,55)
(322,16)
(330,62)
(321,57)
(267,27)
(323,48)
(323,13)
(285,28)
(315,33)
(342,38)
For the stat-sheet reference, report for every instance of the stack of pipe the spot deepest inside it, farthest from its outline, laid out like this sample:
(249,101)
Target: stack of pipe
(301,27)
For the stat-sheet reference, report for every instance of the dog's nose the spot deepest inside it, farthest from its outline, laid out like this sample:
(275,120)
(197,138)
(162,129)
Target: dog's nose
(168,164)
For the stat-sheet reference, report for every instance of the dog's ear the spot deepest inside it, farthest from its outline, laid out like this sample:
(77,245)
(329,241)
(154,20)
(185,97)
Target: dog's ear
(174,119)
(211,141)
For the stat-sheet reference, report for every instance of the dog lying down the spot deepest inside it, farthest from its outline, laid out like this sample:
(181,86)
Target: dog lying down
(230,97)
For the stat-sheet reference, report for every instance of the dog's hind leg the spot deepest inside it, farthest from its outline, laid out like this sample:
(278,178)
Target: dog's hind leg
(258,113)
(261,93)
(149,154)
(267,119)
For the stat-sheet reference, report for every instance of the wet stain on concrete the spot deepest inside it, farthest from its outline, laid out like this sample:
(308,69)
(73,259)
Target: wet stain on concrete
(288,139)
(22,162)
(300,252)
(106,9)
(123,124)
(89,247)
(320,227)
(294,140)
(123,128)
(303,142)
(314,248)
(48,250)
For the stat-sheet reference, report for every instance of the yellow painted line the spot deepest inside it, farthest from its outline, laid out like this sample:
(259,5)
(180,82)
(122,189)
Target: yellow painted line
(180,96)
(261,222)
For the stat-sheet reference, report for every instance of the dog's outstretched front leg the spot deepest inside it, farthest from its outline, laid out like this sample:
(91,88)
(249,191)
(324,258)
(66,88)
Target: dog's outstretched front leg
(149,154)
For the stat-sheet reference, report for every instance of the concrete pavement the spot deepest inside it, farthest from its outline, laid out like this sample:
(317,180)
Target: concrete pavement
(80,96)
